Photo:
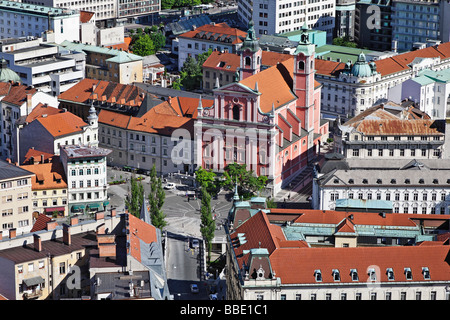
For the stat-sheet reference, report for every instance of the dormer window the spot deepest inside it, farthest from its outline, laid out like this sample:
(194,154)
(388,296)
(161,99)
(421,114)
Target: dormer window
(364,181)
(393,181)
(435,181)
(390,274)
(336,180)
(379,181)
(421,181)
(354,274)
(372,274)
(350,181)
(318,275)
(407,181)
(426,273)
(336,275)
(408,274)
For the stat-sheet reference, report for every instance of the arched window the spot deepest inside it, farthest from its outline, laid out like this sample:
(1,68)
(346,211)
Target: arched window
(259,60)
(301,65)
(236,112)
(248,61)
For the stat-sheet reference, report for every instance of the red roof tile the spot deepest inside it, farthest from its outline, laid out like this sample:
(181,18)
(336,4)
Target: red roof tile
(41,223)
(217,30)
(61,124)
(140,231)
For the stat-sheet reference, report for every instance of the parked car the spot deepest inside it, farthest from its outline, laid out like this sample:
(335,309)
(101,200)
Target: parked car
(195,243)
(194,288)
(169,186)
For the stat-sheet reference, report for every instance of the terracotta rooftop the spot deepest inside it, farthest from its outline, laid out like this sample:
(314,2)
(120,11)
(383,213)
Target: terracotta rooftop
(86,16)
(40,223)
(35,156)
(62,123)
(297,263)
(88,89)
(15,93)
(40,110)
(140,231)
(218,32)
(48,175)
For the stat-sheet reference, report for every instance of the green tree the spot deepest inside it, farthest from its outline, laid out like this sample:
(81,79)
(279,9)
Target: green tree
(135,198)
(207,223)
(191,73)
(158,39)
(206,178)
(156,200)
(143,46)
(247,181)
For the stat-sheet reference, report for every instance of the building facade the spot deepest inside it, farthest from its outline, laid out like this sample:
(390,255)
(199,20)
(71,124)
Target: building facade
(275,137)
(19,19)
(16,199)
(85,169)
(283,16)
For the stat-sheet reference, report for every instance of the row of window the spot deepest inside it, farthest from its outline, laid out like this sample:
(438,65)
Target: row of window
(10,225)
(372,273)
(88,184)
(81,172)
(401,153)
(9,184)
(358,296)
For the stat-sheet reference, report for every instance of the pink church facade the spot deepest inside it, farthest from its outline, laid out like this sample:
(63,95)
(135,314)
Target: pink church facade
(268,119)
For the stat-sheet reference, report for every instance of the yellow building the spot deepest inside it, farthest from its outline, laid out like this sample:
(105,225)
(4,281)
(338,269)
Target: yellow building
(49,188)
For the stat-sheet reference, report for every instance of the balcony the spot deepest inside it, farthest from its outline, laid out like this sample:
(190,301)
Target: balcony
(32,294)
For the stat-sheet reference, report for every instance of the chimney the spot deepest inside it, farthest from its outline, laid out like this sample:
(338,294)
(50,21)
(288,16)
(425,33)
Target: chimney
(12,233)
(51,225)
(106,245)
(29,101)
(37,243)
(101,229)
(99,215)
(67,239)
(113,212)
(1,235)
(73,221)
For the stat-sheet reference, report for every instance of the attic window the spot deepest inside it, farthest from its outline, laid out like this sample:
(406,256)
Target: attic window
(336,275)
(407,181)
(336,180)
(351,181)
(421,181)
(448,181)
(379,181)
(354,274)
(393,181)
(435,181)
(390,274)
(364,181)
(426,273)
(222,64)
(318,275)
(372,274)
(408,274)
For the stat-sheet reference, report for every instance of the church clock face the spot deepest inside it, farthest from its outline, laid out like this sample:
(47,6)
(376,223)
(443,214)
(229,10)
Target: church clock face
(205,113)
(266,119)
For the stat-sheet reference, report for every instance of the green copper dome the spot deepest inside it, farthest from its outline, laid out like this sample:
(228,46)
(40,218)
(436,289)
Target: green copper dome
(361,68)
(7,74)
(251,41)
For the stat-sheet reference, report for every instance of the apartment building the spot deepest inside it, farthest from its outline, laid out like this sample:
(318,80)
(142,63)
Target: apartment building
(16,199)
(345,19)
(17,100)
(49,187)
(213,36)
(417,24)
(109,64)
(162,137)
(85,169)
(430,89)
(41,64)
(18,20)
(56,128)
(349,89)
(263,249)
(274,17)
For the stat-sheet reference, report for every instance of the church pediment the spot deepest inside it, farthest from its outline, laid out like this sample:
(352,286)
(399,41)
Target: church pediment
(237,87)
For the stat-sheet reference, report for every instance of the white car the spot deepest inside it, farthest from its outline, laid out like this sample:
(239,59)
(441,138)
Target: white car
(169,186)
(195,243)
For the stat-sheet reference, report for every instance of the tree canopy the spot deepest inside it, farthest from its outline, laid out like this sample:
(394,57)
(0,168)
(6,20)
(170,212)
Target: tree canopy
(136,197)
(192,72)
(143,45)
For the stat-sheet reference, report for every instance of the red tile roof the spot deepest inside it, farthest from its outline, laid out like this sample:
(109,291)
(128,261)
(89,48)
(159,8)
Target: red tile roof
(15,93)
(140,231)
(226,61)
(107,91)
(49,175)
(297,265)
(41,223)
(36,155)
(62,123)
(217,30)
(86,16)
(40,110)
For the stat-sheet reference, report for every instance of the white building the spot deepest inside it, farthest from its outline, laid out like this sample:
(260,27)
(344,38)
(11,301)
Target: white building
(349,89)
(43,65)
(213,36)
(19,100)
(280,16)
(55,128)
(19,19)
(412,186)
(85,169)
(430,89)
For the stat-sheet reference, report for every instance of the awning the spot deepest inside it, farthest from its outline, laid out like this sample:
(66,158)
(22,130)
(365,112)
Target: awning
(54,209)
(78,207)
(31,282)
(94,205)
(105,203)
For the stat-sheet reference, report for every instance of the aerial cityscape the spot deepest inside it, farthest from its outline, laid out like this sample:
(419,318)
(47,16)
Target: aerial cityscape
(247,150)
